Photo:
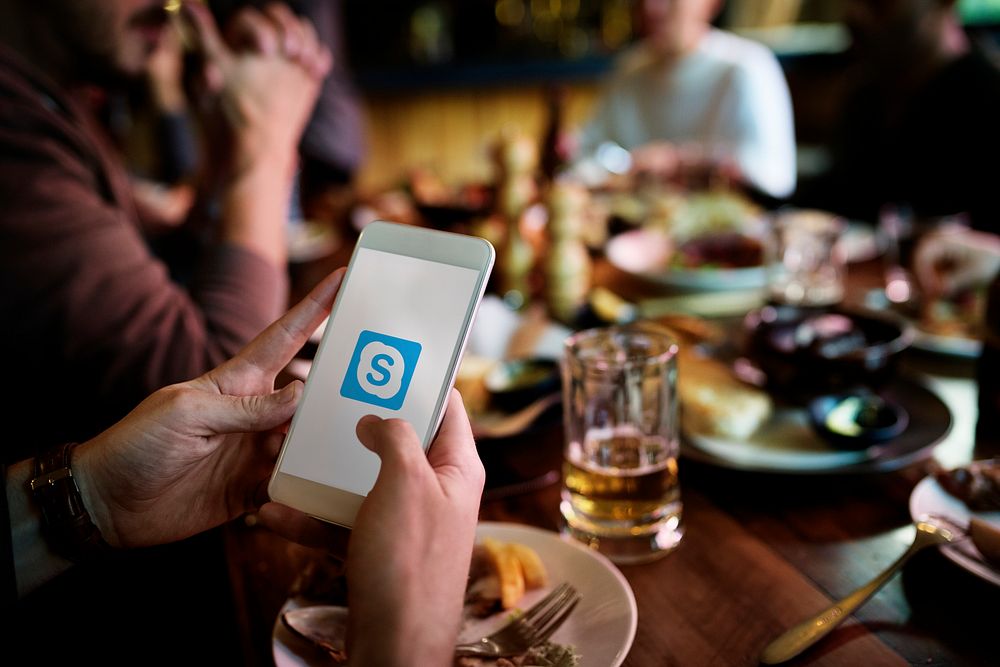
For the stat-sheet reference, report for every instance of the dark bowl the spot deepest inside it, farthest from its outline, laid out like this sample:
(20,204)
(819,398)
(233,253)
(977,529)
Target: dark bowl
(808,352)
(857,419)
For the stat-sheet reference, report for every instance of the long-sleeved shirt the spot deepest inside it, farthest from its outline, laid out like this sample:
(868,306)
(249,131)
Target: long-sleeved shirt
(92,322)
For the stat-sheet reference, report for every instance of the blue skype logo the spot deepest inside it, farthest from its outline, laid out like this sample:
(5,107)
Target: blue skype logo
(380,370)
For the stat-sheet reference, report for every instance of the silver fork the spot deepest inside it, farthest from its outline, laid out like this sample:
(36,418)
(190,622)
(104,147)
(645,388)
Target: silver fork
(529,629)
(932,531)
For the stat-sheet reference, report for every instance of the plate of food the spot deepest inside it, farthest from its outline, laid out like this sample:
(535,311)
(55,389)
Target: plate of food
(968,495)
(702,241)
(952,326)
(651,254)
(778,438)
(513,567)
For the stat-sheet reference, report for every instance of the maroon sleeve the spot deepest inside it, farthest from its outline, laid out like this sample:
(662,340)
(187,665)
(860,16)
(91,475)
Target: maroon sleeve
(77,282)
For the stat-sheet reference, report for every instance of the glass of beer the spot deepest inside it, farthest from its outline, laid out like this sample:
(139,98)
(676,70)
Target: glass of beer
(620,491)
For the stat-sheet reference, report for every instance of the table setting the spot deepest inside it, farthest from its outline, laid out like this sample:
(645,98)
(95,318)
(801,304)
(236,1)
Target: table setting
(770,455)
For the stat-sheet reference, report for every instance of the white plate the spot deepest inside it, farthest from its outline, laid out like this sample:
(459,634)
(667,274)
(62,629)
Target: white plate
(929,497)
(956,346)
(602,627)
(646,253)
(787,443)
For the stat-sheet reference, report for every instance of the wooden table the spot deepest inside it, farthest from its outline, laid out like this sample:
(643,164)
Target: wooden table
(760,553)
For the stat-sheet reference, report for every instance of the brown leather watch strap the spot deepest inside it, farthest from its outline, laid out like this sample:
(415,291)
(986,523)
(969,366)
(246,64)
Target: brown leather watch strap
(66,523)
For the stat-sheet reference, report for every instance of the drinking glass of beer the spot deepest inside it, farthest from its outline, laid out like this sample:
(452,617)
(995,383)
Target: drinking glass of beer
(620,490)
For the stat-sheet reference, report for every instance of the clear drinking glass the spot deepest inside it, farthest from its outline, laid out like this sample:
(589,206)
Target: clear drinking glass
(620,492)
(808,267)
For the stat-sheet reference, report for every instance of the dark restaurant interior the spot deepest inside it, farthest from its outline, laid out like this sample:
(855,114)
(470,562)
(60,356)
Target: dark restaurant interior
(717,283)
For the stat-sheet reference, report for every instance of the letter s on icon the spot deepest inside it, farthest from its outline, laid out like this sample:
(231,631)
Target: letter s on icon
(380,370)
(385,373)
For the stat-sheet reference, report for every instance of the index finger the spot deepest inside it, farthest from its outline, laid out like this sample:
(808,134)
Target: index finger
(206,33)
(274,348)
(251,31)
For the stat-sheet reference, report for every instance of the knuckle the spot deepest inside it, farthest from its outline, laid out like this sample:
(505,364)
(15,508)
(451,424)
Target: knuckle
(252,406)
(183,399)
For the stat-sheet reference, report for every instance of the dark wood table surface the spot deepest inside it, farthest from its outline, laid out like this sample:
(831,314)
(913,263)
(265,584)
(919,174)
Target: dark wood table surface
(760,552)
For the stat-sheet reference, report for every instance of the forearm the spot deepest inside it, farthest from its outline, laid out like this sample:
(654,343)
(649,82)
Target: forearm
(34,562)
(255,206)
(392,644)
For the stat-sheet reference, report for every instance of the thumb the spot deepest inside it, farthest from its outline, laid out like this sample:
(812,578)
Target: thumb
(393,440)
(251,414)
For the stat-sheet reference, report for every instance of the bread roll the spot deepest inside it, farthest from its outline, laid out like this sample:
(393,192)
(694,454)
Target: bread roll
(714,402)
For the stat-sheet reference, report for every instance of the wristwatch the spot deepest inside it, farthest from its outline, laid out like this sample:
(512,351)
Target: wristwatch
(66,524)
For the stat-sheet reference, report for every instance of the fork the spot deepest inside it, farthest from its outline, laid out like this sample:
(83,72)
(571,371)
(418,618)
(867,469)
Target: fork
(529,629)
(932,531)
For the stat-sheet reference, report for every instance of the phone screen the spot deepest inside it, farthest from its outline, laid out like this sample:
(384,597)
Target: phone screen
(386,352)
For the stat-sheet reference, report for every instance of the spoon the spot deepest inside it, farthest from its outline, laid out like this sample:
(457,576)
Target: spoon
(489,426)
(811,630)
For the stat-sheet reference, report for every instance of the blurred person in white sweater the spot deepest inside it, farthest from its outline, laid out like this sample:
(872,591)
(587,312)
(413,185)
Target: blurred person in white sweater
(690,97)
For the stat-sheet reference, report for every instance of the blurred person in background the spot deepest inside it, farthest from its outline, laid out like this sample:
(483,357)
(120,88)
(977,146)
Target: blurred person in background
(920,127)
(955,260)
(691,97)
(93,323)
(333,145)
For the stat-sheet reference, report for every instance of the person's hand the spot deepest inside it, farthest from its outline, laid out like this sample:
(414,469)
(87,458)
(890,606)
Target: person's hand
(659,159)
(264,81)
(195,455)
(953,260)
(409,554)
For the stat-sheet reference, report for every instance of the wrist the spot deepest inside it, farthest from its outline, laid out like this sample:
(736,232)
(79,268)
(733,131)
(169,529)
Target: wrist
(395,633)
(87,467)
(66,523)
(255,208)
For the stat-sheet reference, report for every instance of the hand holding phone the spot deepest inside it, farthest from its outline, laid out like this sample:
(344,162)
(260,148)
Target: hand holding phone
(391,348)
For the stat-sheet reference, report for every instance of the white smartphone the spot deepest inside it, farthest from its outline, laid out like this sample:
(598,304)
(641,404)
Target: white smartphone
(391,348)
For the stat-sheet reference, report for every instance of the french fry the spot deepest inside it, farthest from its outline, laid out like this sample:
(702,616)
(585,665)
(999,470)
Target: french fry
(509,571)
(532,568)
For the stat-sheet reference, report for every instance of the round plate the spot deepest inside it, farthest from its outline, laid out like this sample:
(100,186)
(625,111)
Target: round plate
(955,346)
(601,628)
(788,443)
(928,497)
(645,253)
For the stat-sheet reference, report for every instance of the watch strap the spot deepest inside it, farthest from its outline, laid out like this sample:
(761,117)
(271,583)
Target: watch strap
(66,524)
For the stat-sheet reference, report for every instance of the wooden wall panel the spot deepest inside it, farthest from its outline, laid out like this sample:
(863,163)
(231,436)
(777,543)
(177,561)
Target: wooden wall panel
(450,131)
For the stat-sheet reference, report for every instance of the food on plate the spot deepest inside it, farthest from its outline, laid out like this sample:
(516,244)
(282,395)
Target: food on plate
(986,538)
(471,382)
(725,250)
(977,484)
(713,401)
(500,574)
(960,316)
(547,654)
(711,212)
